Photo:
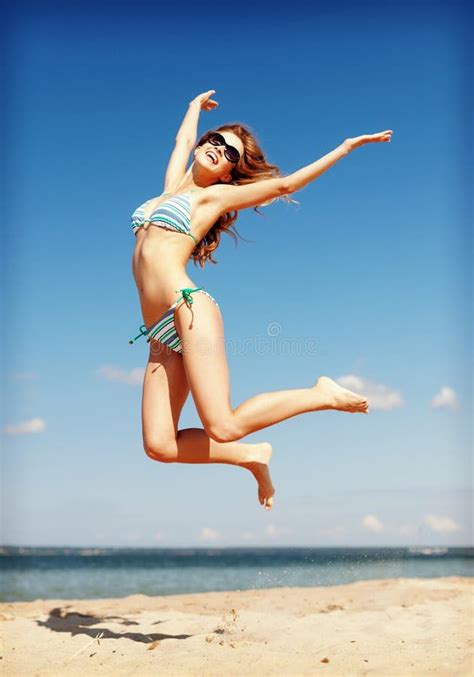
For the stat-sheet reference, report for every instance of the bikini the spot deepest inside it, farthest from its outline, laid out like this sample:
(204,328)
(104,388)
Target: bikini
(173,214)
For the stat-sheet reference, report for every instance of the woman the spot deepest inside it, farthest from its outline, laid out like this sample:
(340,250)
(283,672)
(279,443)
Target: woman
(183,323)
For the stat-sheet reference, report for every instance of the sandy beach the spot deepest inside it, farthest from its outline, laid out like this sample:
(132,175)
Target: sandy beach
(409,626)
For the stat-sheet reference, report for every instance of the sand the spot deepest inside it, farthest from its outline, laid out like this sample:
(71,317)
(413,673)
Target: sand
(409,626)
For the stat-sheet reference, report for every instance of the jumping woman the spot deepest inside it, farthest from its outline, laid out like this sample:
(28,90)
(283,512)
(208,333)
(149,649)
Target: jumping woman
(229,173)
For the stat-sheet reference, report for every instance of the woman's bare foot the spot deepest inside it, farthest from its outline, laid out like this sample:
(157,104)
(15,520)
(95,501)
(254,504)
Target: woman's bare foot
(340,398)
(258,466)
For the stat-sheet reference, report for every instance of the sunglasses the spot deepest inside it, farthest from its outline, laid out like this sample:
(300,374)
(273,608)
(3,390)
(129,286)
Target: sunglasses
(216,139)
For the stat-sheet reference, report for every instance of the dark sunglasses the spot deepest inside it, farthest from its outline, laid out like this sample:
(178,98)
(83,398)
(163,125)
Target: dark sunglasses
(216,139)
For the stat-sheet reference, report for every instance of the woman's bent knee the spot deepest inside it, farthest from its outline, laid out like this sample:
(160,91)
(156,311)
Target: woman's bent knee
(160,451)
(224,431)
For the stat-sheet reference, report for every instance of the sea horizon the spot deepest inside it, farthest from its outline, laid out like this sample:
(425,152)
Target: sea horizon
(85,572)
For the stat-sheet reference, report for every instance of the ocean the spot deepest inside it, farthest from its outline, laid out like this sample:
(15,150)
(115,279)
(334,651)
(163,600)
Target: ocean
(29,573)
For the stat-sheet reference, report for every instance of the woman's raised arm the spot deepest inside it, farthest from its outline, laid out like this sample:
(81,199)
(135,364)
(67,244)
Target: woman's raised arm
(186,138)
(230,197)
(188,130)
(305,175)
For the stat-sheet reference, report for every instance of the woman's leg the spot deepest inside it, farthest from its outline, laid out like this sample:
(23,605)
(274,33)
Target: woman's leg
(201,330)
(165,389)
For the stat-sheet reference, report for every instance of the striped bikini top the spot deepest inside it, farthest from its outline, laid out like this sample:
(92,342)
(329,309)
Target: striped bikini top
(173,214)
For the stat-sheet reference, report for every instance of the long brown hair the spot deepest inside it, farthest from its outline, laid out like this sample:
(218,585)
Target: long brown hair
(251,167)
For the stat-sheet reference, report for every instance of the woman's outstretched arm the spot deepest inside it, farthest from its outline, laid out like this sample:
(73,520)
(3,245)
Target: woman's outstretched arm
(186,138)
(188,130)
(311,172)
(228,197)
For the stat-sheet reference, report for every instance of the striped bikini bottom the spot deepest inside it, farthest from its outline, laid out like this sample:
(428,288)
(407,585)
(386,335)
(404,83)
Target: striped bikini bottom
(164,330)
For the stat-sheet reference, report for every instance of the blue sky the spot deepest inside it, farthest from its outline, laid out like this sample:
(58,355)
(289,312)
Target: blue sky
(371,270)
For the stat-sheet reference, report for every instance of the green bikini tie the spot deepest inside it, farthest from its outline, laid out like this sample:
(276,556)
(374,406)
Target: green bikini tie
(186,293)
(142,333)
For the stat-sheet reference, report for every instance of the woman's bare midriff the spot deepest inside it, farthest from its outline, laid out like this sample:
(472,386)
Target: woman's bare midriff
(159,264)
(159,268)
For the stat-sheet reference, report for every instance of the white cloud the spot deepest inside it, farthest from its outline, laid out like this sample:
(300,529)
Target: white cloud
(273,531)
(378,395)
(445,399)
(34,425)
(133,377)
(372,523)
(208,534)
(441,524)
(248,536)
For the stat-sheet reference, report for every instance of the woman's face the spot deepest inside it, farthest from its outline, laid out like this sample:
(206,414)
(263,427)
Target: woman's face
(212,159)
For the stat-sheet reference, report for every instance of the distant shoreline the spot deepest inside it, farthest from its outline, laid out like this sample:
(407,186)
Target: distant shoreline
(100,573)
(15,549)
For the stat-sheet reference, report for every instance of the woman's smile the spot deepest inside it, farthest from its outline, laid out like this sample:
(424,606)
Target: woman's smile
(213,156)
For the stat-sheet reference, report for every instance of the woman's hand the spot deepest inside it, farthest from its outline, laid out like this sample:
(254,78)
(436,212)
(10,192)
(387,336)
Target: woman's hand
(204,101)
(357,141)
